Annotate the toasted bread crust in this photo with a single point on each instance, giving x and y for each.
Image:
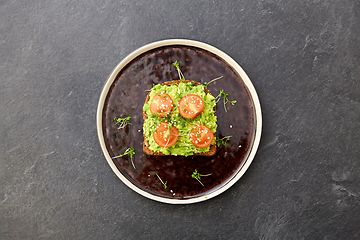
(213, 147)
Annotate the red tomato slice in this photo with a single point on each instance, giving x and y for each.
(165, 137)
(201, 136)
(161, 104)
(191, 106)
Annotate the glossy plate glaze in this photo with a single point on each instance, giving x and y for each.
(124, 95)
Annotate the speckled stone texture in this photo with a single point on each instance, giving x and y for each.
(303, 58)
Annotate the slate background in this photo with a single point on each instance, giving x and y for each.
(303, 58)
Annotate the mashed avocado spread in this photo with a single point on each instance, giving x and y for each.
(183, 146)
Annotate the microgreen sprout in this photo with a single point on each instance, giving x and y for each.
(168, 133)
(164, 183)
(223, 140)
(169, 126)
(177, 66)
(207, 83)
(123, 122)
(129, 151)
(197, 176)
(226, 100)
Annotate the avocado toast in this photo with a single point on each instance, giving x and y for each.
(185, 114)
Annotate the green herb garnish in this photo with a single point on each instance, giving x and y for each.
(123, 122)
(226, 100)
(181, 75)
(207, 83)
(129, 151)
(223, 140)
(197, 176)
(164, 183)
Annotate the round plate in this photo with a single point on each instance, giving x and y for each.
(169, 179)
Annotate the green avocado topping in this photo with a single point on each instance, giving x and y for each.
(183, 146)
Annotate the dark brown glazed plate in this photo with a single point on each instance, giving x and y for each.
(124, 95)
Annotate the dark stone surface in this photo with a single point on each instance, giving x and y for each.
(303, 58)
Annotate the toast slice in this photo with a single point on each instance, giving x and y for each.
(213, 148)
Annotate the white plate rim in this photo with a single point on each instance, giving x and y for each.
(229, 61)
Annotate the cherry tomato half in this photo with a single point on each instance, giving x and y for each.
(201, 136)
(164, 136)
(161, 104)
(191, 106)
